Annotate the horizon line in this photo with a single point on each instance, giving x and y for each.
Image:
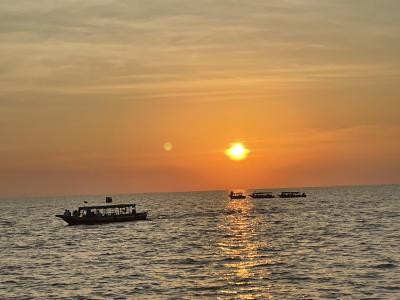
(192, 191)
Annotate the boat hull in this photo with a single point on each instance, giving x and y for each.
(301, 196)
(237, 197)
(261, 197)
(72, 220)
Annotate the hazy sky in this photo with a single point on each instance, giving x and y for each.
(91, 90)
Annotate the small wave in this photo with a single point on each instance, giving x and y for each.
(385, 266)
(7, 223)
(106, 254)
(162, 217)
(341, 235)
(297, 278)
(372, 275)
(270, 249)
(189, 261)
(230, 212)
(10, 281)
(391, 288)
(209, 288)
(59, 284)
(231, 259)
(22, 247)
(269, 265)
(186, 215)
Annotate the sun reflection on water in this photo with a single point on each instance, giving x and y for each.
(240, 248)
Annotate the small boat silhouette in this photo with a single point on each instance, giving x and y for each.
(99, 214)
(236, 195)
(292, 195)
(262, 195)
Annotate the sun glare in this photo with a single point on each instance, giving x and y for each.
(237, 152)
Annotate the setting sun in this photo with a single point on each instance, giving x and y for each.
(237, 152)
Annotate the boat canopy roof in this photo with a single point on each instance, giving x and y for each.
(261, 193)
(287, 193)
(107, 206)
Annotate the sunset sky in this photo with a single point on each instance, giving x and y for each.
(90, 92)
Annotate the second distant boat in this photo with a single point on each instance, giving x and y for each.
(262, 195)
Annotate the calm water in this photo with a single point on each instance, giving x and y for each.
(339, 243)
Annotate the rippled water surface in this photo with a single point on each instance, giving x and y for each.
(338, 243)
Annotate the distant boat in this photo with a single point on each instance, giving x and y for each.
(99, 214)
(262, 195)
(237, 195)
(292, 195)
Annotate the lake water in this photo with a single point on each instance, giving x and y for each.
(338, 243)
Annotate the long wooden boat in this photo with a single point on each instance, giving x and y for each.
(262, 195)
(292, 195)
(99, 214)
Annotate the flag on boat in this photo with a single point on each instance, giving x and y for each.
(85, 202)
